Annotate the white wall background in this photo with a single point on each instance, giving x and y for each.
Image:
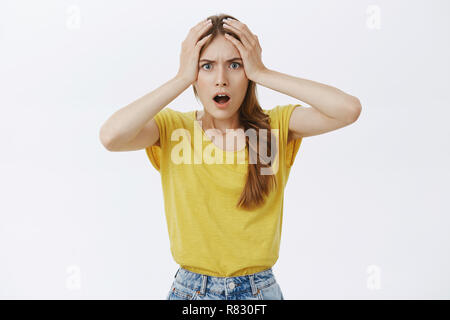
(366, 207)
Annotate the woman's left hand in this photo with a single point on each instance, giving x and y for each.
(248, 47)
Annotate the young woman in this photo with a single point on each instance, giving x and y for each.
(224, 200)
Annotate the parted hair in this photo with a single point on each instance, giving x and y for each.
(251, 116)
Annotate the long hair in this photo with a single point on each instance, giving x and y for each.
(251, 116)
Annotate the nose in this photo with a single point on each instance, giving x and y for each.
(221, 77)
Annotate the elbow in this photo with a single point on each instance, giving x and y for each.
(355, 109)
(105, 139)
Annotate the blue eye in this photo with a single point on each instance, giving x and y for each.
(231, 63)
(237, 63)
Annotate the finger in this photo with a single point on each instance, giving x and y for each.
(202, 41)
(236, 42)
(202, 32)
(203, 23)
(240, 29)
(239, 25)
(257, 41)
(241, 35)
(250, 36)
(197, 31)
(204, 27)
(199, 26)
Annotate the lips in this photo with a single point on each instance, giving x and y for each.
(221, 97)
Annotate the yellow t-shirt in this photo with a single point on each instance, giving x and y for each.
(208, 233)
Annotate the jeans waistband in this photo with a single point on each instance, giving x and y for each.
(199, 282)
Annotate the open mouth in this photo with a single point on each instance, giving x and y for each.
(221, 99)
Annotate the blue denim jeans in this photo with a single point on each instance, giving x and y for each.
(195, 286)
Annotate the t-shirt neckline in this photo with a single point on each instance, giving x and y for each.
(209, 139)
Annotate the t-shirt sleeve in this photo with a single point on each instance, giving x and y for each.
(282, 115)
(163, 121)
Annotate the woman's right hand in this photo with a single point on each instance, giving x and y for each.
(190, 50)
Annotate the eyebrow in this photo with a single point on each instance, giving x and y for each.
(229, 60)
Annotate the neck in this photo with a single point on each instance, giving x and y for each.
(209, 122)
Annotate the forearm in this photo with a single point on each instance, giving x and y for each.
(125, 124)
(328, 100)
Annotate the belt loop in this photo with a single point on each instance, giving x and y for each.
(252, 284)
(177, 273)
(203, 288)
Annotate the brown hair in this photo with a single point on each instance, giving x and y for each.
(253, 117)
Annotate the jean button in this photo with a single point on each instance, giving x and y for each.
(231, 285)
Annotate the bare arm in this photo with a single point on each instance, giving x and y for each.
(326, 99)
(133, 127)
(331, 108)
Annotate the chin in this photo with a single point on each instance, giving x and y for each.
(222, 113)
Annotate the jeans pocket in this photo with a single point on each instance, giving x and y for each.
(271, 292)
(180, 292)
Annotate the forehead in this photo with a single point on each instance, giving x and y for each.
(220, 49)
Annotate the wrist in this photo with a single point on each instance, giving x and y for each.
(183, 81)
(260, 74)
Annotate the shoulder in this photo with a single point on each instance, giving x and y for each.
(281, 114)
(168, 112)
(170, 116)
